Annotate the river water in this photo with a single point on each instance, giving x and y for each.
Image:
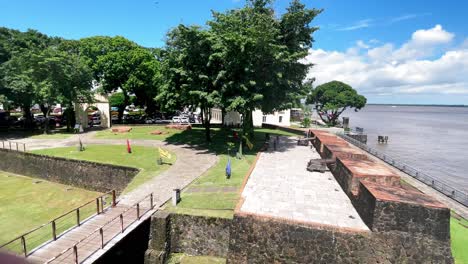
(431, 139)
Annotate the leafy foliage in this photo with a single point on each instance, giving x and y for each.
(332, 98)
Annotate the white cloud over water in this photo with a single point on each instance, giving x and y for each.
(428, 63)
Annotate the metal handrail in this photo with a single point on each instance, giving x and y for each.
(101, 229)
(9, 143)
(99, 209)
(444, 188)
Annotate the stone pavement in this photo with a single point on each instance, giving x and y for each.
(280, 186)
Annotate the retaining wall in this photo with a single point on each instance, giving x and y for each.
(193, 235)
(83, 174)
(266, 240)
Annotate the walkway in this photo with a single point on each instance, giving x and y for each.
(190, 164)
(280, 186)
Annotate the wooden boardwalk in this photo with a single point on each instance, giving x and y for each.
(79, 243)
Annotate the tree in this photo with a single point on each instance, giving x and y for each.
(59, 77)
(192, 72)
(334, 97)
(262, 57)
(121, 65)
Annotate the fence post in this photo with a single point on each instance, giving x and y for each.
(102, 204)
(102, 237)
(9, 142)
(17, 149)
(138, 211)
(151, 201)
(121, 223)
(75, 252)
(54, 230)
(78, 216)
(3, 144)
(113, 198)
(23, 242)
(24, 147)
(97, 205)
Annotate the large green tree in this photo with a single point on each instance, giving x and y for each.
(192, 69)
(121, 65)
(262, 57)
(333, 98)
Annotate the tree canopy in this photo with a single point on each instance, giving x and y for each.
(333, 98)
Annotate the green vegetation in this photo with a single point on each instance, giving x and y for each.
(333, 98)
(139, 132)
(459, 239)
(143, 158)
(180, 258)
(198, 199)
(22, 203)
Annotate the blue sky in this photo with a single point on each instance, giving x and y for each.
(381, 38)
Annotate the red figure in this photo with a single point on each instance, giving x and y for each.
(129, 148)
(235, 135)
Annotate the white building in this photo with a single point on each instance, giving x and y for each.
(281, 118)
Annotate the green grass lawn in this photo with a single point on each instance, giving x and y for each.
(138, 132)
(143, 158)
(459, 238)
(218, 203)
(180, 258)
(25, 205)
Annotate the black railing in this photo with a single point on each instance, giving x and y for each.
(444, 188)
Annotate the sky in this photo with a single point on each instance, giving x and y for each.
(391, 51)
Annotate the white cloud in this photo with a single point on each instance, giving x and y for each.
(388, 70)
(365, 23)
(435, 35)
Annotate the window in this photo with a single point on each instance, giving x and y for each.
(281, 119)
(264, 119)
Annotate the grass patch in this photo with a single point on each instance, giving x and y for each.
(25, 205)
(138, 132)
(217, 203)
(143, 158)
(459, 239)
(180, 258)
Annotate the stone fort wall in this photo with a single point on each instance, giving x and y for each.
(406, 226)
(82, 174)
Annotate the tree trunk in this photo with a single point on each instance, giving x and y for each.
(71, 117)
(122, 107)
(223, 114)
(207, 123)
(45, 110)
(247, 124)
(28, 123)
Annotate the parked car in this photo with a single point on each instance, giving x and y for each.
(184, 120)
(176, 119)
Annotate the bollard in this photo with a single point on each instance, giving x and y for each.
(138, 211)
(97, 205)
(175, 197)
(151, 201)
(17, 149)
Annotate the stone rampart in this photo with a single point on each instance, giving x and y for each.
(387, 208)
(193, 235)
(82, 174)
(255, 239)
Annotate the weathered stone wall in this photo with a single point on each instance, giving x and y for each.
(393, 209)
(260, 240)
(83, 174)
(194, 235)
(197, 235)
